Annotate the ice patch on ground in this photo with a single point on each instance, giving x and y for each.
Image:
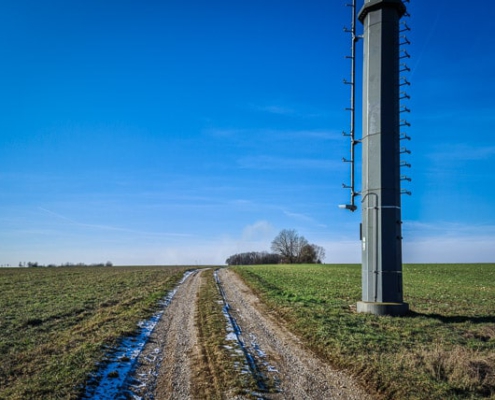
(110, 381)
(253, 358)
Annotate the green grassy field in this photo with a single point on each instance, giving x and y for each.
(445, 348)
(56, 323)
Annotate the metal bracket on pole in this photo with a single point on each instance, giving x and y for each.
(403, 96)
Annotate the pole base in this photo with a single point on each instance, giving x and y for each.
(392, 309)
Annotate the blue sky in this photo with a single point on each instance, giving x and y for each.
(181, 132)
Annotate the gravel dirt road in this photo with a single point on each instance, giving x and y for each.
(289, 370)
(164, 366)
(301, 375)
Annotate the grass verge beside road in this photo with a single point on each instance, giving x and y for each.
(56, 323)
(444, 349)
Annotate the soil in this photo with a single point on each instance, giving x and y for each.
(164, 366)
(302, 375)
(291, 371)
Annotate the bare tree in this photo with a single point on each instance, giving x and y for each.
(307, 255)
(311, 254)
(289, 245)
(319, 253)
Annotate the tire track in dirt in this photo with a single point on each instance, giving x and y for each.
(302, 375)
(168, 365)
(164, 366)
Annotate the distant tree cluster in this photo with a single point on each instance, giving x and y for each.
(254, 258)
(30, 264)
(288, 248)
(295, 249)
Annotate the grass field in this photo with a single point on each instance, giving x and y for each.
(445, 348)
(56, 323)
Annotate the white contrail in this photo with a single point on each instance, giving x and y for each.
(58, 215)
(433, 29)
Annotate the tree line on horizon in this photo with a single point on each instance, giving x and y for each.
(288, 247)
(31, 264)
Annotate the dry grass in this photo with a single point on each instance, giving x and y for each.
(466, 369)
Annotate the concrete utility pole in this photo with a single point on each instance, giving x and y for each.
(381, 192)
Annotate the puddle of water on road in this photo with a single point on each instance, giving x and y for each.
(110, 380)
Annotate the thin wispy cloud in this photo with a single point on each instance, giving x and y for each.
(275, 134)
(450, 250)
(445, 229)
(299, 216)
(109, 227)
(277, 163)
(303, 218)
(277, 110)
(301, 111)
(259, 231)
(470, 115)
(462, 152)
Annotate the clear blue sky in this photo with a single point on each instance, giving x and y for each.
(163, 132)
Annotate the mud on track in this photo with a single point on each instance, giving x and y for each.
(165, 369)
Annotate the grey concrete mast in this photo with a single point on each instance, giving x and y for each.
(381, 193)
